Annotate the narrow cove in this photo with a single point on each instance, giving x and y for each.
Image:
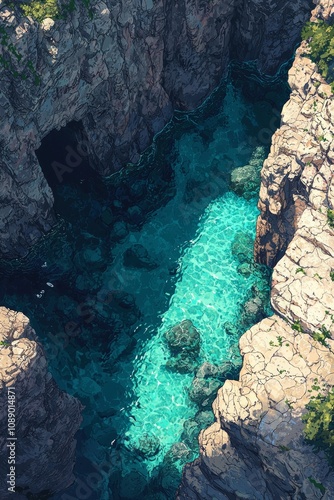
(136, 254)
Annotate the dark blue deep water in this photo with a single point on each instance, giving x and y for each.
(134, 255)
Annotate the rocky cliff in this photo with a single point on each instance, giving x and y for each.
(117, 74)
(37, 420)
(255, 449)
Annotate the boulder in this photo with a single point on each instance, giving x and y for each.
(182, 363)
(148, 445)
(245, 181)
(183, 338)
(179, 451)
(137, 257)
(203, 391)
(242, 247)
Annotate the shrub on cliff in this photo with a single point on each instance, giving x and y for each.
(320, 36)
(41, 9)
(319, 423)
(55, 9)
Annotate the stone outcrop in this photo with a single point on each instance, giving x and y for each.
(46, 418)
(302, 286)
(298, 169)
(117, 77)
(255, 449)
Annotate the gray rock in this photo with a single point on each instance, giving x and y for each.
(242, 247)
(148, 445)
(203, 391)
(245, 181)
(183, 338)
(181, 363)
(137, 256)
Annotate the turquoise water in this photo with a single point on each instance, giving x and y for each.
(176, 204)
(209, 292)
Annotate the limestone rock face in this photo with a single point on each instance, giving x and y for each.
(302, 287)
(46, 418)
(298, 170)
(118, 76)
(255, 448)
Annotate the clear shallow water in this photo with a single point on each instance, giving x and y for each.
(116, 360)
(209, 292)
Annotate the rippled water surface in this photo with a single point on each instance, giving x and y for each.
(102, 314)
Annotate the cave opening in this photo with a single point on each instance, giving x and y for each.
(68, 168)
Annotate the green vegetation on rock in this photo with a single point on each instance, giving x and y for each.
(320, 36)
(319, 423)
(55, 9)
(41, 9)
(330, 217)
(322, 335)
(319, 486)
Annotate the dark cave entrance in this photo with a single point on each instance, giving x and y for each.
(68, 169)
(63, 155)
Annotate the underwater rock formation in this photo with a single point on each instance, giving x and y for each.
(46, 419)
(256, 447)
(245, 181)
(184, 342)
(117, 77)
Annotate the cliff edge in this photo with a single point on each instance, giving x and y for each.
(37, 420)
(115, 76)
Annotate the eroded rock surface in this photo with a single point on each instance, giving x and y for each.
(302, 288)
(298, 170)
(118, 76)
(255, 448)
(46, 418)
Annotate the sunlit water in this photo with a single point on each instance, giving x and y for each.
(117, 367)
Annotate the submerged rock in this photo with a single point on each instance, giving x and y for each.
(242, 247)
(182, 363)
(207, 370)
(245, 269)
(193, 426)
(148, 445)
(179, 451)
(245, 181)
(183, 341)
(204, 390)
(231, 329)
(119, 231)
(183, 338)
(137, 256)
